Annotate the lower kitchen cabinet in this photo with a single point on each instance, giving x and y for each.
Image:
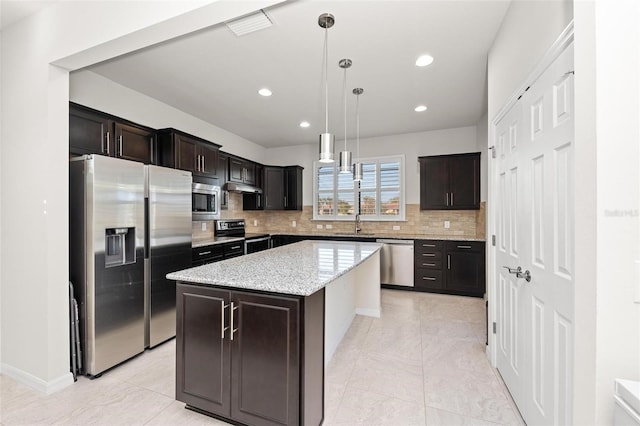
(451, 267)
(248, 357)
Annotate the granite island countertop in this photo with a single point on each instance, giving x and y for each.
(297, 269)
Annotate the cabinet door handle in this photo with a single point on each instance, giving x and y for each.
(446, 198)
(204, 253)
(452, 198)
(448, 261)
(285, 201)
(222, 327)
(151, 160)
(429, 254)
(259, 200)
(233, 330)
(464, 247)
(428, 245)
(120, 145)
(428, 264)
(428, 278)
(204, 167)
(235, 247)
(108, 143)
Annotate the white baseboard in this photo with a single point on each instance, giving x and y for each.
(368, 312)
(36, 382)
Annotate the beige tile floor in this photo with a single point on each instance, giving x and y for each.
(421, 363)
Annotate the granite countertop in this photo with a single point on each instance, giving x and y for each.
(297, 269)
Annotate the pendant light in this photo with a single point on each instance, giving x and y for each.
(345, 156)
(327, 140)
(357, 166)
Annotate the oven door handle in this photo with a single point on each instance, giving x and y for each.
(256, 240)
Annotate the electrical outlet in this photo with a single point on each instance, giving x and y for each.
(447, 224)
(329, 226)
(318, 226)
(204, 226)
(396, 227)
(255, 222)
(293, 223)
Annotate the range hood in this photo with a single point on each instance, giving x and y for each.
(242, 187)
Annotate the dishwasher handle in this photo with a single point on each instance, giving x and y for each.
(395, 242)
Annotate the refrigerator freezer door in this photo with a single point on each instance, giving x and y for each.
(169, 247)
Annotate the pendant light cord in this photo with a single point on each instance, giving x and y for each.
(344, 90)
(326, 82)
(358, 127)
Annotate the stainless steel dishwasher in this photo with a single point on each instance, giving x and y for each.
(396, 262)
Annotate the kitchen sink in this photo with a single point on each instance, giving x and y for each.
(361, 234)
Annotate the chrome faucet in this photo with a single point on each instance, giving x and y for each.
(357, 229)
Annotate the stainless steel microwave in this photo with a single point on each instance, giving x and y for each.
(205, 201)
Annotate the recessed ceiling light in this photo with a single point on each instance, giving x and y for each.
(424, 60)
(264, 92)
(420, 108)
(304, 124)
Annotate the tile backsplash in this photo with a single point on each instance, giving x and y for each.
(463, 223)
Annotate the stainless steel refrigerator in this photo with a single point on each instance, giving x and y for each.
(125, 221)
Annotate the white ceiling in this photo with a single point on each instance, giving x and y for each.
(215, 75)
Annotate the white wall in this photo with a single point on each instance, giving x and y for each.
(608, 124)
(95, 91)
(34, 155)
(412, 145)
(528, 30)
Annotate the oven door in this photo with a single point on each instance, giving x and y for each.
(255, 245)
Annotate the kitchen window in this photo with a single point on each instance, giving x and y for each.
(380, 195)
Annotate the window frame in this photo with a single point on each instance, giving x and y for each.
(357, 191)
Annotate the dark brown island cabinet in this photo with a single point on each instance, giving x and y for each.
(451, 267)
(450, 182)
(250, 358)
(95, 132)
(183, 151)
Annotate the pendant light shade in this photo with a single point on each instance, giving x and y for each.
(357, 167)
(327, 140)
(345, 156)
(327, 143)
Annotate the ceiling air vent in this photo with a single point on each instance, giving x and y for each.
(250, 23)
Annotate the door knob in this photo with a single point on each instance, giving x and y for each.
(518, 273)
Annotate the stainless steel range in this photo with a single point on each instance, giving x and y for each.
(253, 242)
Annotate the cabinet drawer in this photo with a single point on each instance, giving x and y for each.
(428, 263)
(428, 245)
(428, 279)
(207, 254)
(472, 246)
(233, 249)
(427, 256)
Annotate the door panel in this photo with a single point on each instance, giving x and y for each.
(133, 143)
(535, 342)
(265, 357)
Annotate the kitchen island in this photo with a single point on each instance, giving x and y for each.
(254, 333)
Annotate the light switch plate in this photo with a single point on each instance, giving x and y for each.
(396, 227)
(329, 226)
(293, 223)
(447, 224)
(318, 226)
(204, 226)
(255, 222)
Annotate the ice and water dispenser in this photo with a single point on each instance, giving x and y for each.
(120, 246)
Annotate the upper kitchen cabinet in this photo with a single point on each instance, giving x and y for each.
(241, 171)
(187, 152)
(94, 132)
(281, 190)
(293, 188)
(450, 182)
(223, 170)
